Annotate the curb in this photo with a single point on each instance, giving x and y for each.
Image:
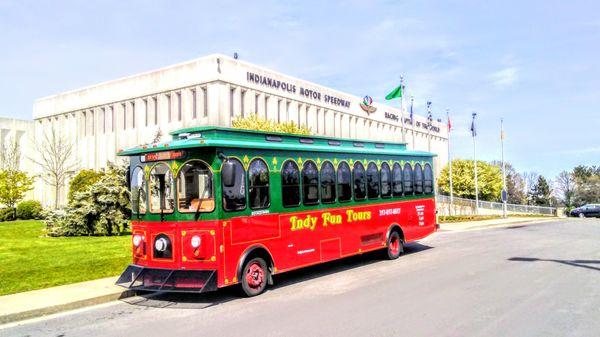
(472, 225)
(23, 315)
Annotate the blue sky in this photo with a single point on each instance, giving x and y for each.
(534, 63)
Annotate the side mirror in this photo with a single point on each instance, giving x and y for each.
(228, 173)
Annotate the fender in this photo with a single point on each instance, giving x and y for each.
(391, 228)
(247, 252)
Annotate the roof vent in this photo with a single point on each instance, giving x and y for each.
(379, 145)
(359, 144)
(306, 140)
(271, 138)
(334, 142)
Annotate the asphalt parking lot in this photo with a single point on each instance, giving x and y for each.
(540, 279)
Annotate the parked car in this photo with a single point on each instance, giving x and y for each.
(587, 211)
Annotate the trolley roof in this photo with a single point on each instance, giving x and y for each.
(211, 136)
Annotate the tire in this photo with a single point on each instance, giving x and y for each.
(395, 246)
(581, 215)
(255, 276)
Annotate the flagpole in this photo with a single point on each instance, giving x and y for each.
(429, 120)
(504, 191)
(412, 122)
(450, 165)
(402, 108)
(473, 132)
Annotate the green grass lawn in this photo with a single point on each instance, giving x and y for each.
(29, 260)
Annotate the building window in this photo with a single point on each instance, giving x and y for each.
(92, 122)
(358, 175)
(194, 104)
(372, 181)
(124, 107)
(427, 179)
(266, 106)
(169, 107)
(258, 185)
(179, 107)
(84, 117)
(310, 183)
(242, 103)
(205, 96)
(407, 179)
(344, 182)
(103, 120)
(290, 184)
(287, 111)
(112, 118)
(231, 101)
(386, 181)
(279, 111)
(133, 115)
(146, 111)
(327, 183)
(155, 103)
(234, 197)
(256, 104)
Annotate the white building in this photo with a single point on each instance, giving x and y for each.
(213, 90)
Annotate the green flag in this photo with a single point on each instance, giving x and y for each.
(396, 93)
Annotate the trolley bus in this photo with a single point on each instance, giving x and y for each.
(216, 207)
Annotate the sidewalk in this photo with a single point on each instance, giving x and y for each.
(20, 306)
(484, 224)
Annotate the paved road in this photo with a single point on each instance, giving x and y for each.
(536, 280)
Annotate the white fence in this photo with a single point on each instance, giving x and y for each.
(462, 206)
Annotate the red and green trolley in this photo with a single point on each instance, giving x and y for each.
(216, 207)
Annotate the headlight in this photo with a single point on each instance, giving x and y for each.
(137, 240)
(161, 244)
(196, 241)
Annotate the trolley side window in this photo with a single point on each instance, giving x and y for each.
(360, 188)
(194, 188)
(310, 183)
(372, 181)
(418, 179)
(428, 179)
(408, 179)
(234, 194)
(138, 191)
(344, 182)
(327, 182)
(397, 180)
(258, 185)
(290, 184)
(386, 181)
(162, 196)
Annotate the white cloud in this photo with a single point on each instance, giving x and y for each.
(505, 77)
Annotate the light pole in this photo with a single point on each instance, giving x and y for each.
(474, 133)
(504, 191)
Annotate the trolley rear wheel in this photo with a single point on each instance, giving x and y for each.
(255, 276)
(395, 246)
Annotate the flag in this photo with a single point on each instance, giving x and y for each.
(429, 116)
(473, 130)
(396, 93)
(449, 124)
(502, 134)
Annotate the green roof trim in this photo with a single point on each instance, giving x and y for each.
(210, 136)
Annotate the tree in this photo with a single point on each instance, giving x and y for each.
(102, 209)
(82, 181)
(540, 193)
(10, 155)
(489, 180)
(565, 186)
(13, 186)
(56, 159)
(253, 122)
(587, 185)
(515, 185)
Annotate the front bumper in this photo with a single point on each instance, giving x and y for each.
(169, 280)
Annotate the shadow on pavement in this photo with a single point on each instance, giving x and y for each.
(205, 300)
(574, 263)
